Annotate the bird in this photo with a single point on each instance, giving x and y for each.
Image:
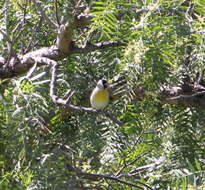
(100, 96)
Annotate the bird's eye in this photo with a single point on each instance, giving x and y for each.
(104, 81)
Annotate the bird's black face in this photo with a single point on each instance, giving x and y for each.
(102, 84)
(105, 84)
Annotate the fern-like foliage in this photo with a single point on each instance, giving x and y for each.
(104, 19)
(44, 146)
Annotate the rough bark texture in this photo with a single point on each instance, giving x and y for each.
(63, 48)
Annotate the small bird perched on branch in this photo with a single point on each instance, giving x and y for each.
(99, 98)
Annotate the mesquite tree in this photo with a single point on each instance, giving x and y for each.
(151, 135)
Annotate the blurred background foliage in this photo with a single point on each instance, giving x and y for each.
(160, 145)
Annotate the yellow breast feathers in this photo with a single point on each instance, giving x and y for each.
(99, 98)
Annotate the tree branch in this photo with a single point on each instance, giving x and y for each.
(5, 36)
(96, 177)
(195, 100)
(65, 33)
(99, 46)
(66, 102)
(176, 95)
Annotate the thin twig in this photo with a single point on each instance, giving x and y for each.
(17, 32)
(98, 46)
(56, 13)
(113, 118)
(103, 176)
(61, 146)
(34, 31)
(6, 20)
(198, 32)
(53, 82)
(118, 174)
(91, 110)
(43, 14)
(6, 37)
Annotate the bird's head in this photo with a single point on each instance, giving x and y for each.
(102, 84)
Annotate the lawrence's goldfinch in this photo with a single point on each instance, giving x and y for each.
(100, 96)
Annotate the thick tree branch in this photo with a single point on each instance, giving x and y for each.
(65, 32)
(196, 99)
(177, 95)
(64, 47)
(22, 63)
